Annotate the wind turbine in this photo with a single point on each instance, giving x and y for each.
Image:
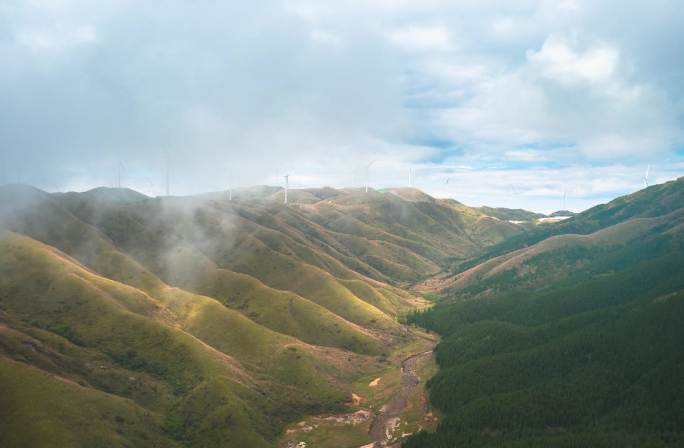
(648, 169)
(119, 170)
(565, 196)
(287, 185)
(411, 177)
(367, 173)
(166, 163)
(231, 179)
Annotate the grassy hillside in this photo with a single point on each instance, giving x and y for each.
(573, 341)
(33, 398)
(393, 240)
(47, 292)
(178, 262)
(656, 200)
(178, 339)
(509, 214)
(206, 322)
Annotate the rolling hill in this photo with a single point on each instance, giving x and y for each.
(571, 340)
(199, 321)
(656, 200)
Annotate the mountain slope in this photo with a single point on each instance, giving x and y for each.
(511, 214)
(88, 418)
(573, 341)
(182, 340)
(206, 322)
(656, 200)
(41, 217)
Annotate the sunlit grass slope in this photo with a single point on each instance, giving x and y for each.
(45, 410)
(185, 340)
(189, 268)
(49, 292)
(219, 320)
(397, 236)
(283, 311)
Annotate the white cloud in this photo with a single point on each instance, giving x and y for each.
(325, 38)
(420, 38)
(56, 39)
(559, 94)
(609, 146)
(527, 155)
(558, 60)
(237, 91)
(504, 26)
(455, 73)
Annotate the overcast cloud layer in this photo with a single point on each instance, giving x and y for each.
(508, 103)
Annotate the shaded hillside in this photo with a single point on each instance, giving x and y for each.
(573, 341)
(562, 213)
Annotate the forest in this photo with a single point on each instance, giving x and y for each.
(590, 357)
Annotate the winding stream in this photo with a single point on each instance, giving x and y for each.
(383, 424)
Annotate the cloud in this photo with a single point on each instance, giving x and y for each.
(560, 93)
(527, 155)
(421, 38)
(238, 93)
(325, 38)
(56, 39)
(557, 60)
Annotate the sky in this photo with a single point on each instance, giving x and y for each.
(518, 103)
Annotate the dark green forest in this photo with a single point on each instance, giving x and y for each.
(593, 357)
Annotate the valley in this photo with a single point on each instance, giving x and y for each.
(356, 224)
(385, 424)
(568, 334)
(386, 409)
(218, 321)
(342, 319)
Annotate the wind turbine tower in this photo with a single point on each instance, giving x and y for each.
(119, 169)
(166, 163)
(411, 177)
(367, 173)
(648, 169)
(287, 186)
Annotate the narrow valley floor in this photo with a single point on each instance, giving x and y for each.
(385, 407)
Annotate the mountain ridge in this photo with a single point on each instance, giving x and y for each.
(572, 340)
(213, 302)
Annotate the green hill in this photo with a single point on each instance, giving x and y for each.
(656, 200)
(509, 214)
(573, 341)
(200, 321)
(162, 349)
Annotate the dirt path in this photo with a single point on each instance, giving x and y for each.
(383, 425)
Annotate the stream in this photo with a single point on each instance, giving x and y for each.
(383, 425)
